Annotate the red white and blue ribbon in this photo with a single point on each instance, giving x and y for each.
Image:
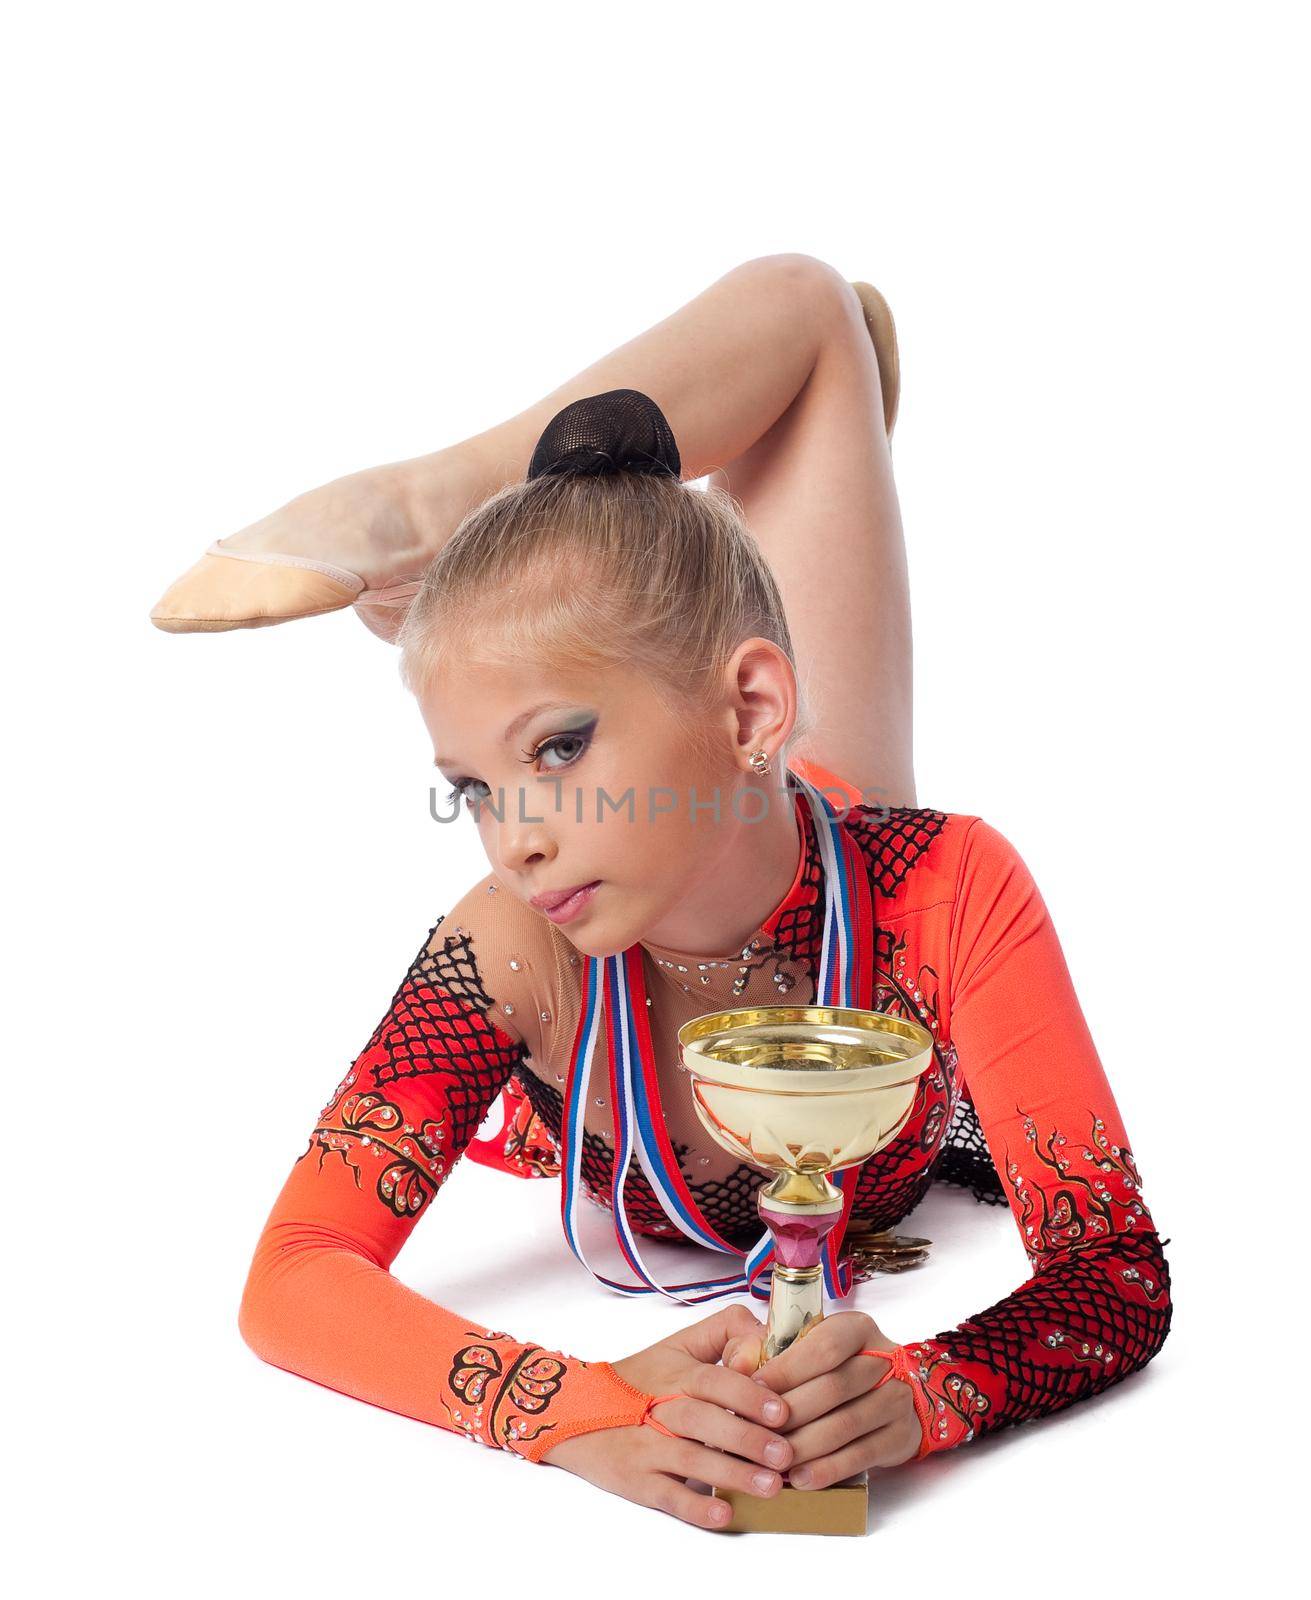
(614, 1016)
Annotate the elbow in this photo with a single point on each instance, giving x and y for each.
(251, 1323)
(257, 1313)
(1145, 1307)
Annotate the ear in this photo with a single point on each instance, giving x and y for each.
(761, 695)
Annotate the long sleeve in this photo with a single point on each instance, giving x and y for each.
(1097, 1305)
(320, 1299)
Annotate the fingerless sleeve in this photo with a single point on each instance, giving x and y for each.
(1097, 1304)
(320, 1299)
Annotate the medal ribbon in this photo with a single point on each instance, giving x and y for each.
(614, 1011)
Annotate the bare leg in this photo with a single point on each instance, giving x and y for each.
(770, 383)
(818, 494)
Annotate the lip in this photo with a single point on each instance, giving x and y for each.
(560, 905)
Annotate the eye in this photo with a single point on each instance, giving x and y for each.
(460, 790)
(571, 745)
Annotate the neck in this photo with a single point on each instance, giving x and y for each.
(749, 878)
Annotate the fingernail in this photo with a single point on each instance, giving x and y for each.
(799, 1476)
(776, 1452)
(774, 1410)
(720, 1512)
(764, 1481)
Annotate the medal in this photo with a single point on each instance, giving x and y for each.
(614, 1017)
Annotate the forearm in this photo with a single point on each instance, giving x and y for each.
(1085, 1320)
(317, 1307)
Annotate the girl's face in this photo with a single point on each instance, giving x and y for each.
(590, 781)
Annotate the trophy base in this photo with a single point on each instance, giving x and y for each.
(841, 1508)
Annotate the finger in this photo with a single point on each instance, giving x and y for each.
(840, 1426)
(887, 1447)
(820, 1349)
(673, 1496)
(744, 1354)
(712, 1425)
(689, 1459)
(734, 1391)
(816, 1396)
(706, 1340)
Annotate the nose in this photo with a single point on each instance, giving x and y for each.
(523, 839)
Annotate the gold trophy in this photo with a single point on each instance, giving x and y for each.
(802, 1091)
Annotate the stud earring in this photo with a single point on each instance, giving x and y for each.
(759, 762)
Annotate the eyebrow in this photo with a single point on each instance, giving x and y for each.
(514, 727)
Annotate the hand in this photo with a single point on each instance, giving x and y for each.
(838, 1422)
(723, 1419)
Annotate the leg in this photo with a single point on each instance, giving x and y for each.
(771, 385)
(769, 380)
(818, 493)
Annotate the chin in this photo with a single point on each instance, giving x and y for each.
(598, 940)
(596, 945)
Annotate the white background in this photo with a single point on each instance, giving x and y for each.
(254, 247)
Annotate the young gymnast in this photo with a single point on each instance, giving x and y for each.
(597, 634)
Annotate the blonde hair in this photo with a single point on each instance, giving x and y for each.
(583, 573)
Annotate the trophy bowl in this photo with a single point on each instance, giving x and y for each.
(801, 1091)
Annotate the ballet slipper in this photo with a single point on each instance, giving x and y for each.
(250, 589)
(883, 333)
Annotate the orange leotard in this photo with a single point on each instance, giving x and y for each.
(1016, 1105)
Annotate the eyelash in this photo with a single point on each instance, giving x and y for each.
(581, 734)
(460, 787)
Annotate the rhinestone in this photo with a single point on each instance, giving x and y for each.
(599, 1101)
(546, 1016)
(573, 961)
(508, 1009)
(491, 888)
(514, 963)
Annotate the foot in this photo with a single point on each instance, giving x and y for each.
(374, 523)
(383, 524)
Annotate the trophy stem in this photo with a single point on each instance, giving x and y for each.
(796, 1302)
(799, 1209)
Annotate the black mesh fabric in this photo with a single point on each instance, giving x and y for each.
(965, 1159)
(1088, 1317)
(622, 430)
(424, 1032)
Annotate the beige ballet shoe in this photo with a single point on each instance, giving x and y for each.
(883, 332)
(245, 589)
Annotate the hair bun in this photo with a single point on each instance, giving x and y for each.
(622, 430)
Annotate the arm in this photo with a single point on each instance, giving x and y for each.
(1097, 1306)
(319, 1299)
